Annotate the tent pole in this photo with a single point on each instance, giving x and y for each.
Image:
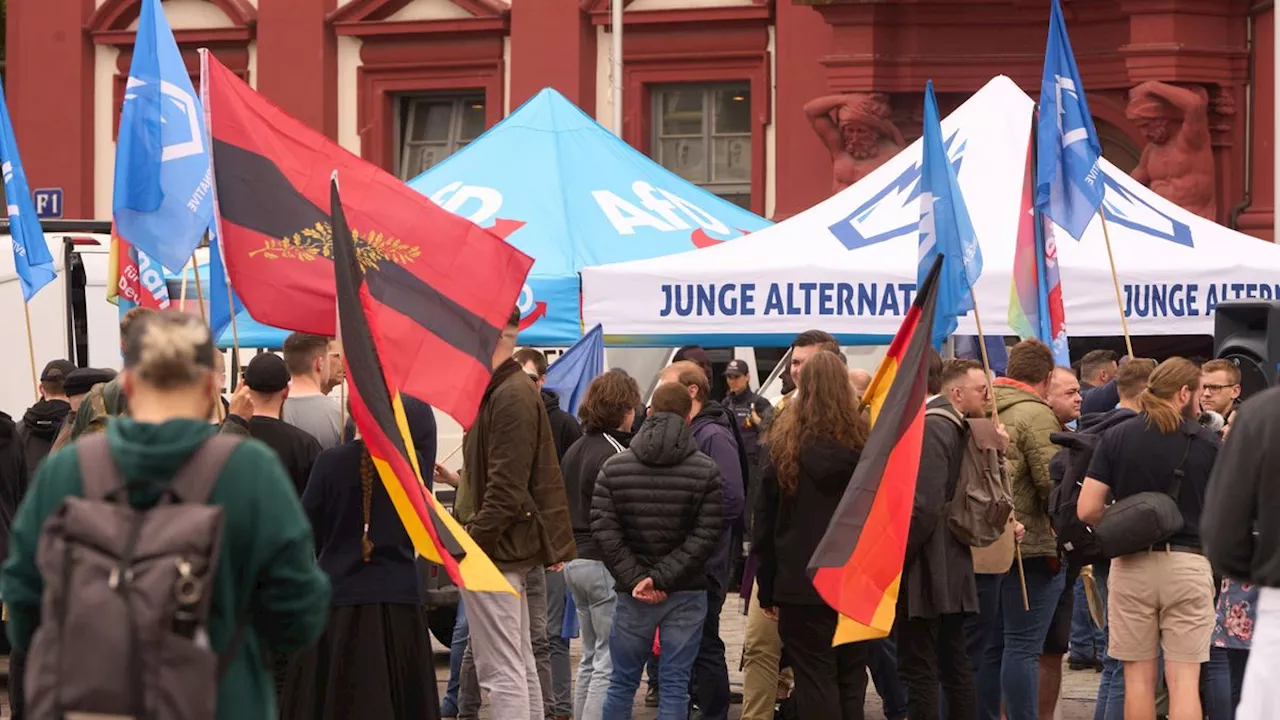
(615, 60)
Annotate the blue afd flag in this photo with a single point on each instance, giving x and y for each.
(945, 228)
(163, 202)
(219, 287)
(31, 257)
(570, 375)
(1069, 185)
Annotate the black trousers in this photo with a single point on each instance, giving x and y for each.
(709, 680)
(831, 683)
(933, 651)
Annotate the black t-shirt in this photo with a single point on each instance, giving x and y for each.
(297, 448)
(1135, 457)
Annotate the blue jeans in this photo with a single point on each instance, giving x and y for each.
(882, 661)
(449, 706)
(985, 634)
(594, 600)
(678, 620)
(1110, 704)
(1023, 635)
(1087, 641)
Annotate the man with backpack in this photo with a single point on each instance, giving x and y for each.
(159, 559)
(1075, 538)
(938, 587)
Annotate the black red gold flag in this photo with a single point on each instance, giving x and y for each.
(857, 567)
(443, 286)
(378, 411)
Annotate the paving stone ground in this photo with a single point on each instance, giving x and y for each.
(1079, 689)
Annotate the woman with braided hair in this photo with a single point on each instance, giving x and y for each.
(374, 659)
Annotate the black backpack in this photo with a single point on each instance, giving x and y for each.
(1068, 469)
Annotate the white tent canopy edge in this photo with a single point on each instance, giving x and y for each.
(848, 264)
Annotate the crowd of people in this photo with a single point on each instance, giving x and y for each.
(1130, 542)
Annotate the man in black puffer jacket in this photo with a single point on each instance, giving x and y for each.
(656, 517)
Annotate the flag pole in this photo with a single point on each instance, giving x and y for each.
(182, 297)
(204, 315)
(31, 349)
(1115, 280)
(995, 418)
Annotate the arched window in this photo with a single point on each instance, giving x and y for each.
(1117, 146)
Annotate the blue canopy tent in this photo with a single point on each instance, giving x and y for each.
(252, 333)
(571, 194)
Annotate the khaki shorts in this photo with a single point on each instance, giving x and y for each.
(1160, 599)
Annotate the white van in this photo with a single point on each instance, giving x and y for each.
(70, 317)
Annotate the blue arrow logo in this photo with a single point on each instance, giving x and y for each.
(859, 229)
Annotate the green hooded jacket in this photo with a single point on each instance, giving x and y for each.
(267, 571)
(1029, 420)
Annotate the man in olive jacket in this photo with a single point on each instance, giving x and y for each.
(513, 502)
(1029, 420)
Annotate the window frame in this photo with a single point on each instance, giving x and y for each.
(407, 105)
(658, 94)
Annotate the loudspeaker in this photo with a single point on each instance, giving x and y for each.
(1248, 333)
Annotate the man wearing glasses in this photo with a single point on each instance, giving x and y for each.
(1220, 388)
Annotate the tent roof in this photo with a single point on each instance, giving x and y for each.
(570, 194)
(858, 249)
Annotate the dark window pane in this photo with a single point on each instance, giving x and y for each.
(682, 112)
(472, 119)
(685, 157)
(732, 159)
(733, 111)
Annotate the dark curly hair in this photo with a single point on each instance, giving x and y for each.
(607, 401)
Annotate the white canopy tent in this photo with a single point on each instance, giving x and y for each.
(848, 264)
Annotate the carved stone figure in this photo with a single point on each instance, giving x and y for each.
(857, 132)
(1177, 162)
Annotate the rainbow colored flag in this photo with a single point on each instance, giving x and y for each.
(1035, 295)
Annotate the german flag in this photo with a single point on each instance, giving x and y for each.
(378, 412)
(443, 286)
(857, 567)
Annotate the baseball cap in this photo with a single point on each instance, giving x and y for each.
(82, 380)
(57, 370)
(737, 367)
(267, 373)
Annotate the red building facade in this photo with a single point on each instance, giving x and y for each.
(713, 89)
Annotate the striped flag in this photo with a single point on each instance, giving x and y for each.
(378, 411)
(857, 567)
(1035, 293)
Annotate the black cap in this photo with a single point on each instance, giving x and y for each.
(82, 380)
(737, 367)
(57, 370)
(266, 373)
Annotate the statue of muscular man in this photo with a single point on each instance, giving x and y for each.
(859, 137)
(1177, 162)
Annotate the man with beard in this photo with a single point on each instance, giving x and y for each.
(40, 424)
(860, 137)
(713, 431)
(1161, 598)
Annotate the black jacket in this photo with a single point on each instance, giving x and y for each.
(656, 511)
(938, 568)
(1091, 424)
(565, 430)
(39, 428)
(580, 468)
(741, 405)
(1238, 527)
(788, 528)
(13, 479)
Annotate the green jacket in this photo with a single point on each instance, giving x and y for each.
(105, 400)
(1029, 420)
(267, 571)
